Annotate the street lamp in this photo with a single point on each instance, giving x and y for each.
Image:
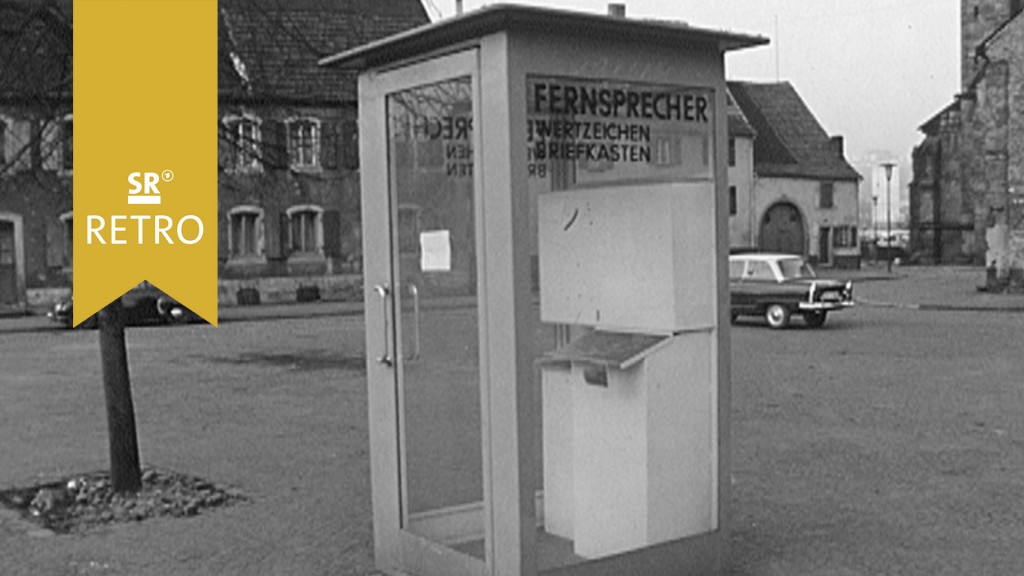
(874, 224)
(888, 212)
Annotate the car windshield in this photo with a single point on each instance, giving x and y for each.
(795, 268)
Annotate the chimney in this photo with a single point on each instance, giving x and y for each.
(835, 145)
(617, 10)
(458, 7)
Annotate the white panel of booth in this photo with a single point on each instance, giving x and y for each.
(637, 258)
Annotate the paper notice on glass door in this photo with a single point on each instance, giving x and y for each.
(435, 251)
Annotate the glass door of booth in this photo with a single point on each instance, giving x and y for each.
(423, 317)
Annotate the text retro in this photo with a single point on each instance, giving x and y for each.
(148, 228)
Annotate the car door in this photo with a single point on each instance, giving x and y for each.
(740, 296)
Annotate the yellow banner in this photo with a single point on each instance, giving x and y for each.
(145, 140)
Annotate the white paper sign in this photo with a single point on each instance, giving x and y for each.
(435, 251)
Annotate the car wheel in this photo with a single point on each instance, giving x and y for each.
(777, 316)
(815, 319)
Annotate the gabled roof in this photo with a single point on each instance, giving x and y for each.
(738, 125)
(268, 49)
(35, 50)
(790, 142)
(932, 125)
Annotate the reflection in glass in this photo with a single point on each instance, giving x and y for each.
(431, 181)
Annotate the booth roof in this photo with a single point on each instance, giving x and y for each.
(490, 19)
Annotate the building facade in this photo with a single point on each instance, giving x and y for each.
(288, 182)
(967, 197)
(289, 218)
(742, 212)
(36, 154)
(804, 198)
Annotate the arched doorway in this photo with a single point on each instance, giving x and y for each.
(782, 230)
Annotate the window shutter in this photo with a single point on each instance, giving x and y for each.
(54, 243)
(283, 236)
(332, 233)
(350, 144)
(329, 145)
(275, 144)
(227, 153)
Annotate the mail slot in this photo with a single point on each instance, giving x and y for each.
(628, 463)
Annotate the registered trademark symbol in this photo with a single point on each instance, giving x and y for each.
(167, 175)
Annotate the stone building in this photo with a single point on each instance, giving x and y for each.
(967, 196)
(288, 216)
(804, 194)
(289, 183)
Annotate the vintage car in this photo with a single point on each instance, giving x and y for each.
(143, 304)
(779, 286)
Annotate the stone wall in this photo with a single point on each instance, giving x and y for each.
(998, 130)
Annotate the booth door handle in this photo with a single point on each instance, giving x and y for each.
(415, 291)
(383, 291)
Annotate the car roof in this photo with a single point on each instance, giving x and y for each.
(764, 256)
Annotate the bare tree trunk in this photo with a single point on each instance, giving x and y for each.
(125, 474)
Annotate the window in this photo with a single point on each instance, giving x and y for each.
(735, 269)
(303, 143)
(305, 230)
(243, 138)
(844, 237)
(68, 227)
(795, 268)
(245, 239)
(732, 200)
(732, 151)
(16, 154)
(825, 199)
(57, 144)
(759, 271)
(6, 243)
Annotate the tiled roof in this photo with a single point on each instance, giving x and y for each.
(269, 48)
(738, 123)
(790, 142)
(35, 50)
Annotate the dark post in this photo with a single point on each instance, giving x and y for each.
(125, 474)
(888, 213)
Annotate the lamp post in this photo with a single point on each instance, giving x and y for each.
(888, 213)
(874, 224)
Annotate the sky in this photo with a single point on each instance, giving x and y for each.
(871, 71)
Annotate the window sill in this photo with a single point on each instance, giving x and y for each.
(306, 257)
(247, 170)
(306, 169)
(245, 260)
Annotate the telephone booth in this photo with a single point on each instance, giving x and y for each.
(544, 225)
